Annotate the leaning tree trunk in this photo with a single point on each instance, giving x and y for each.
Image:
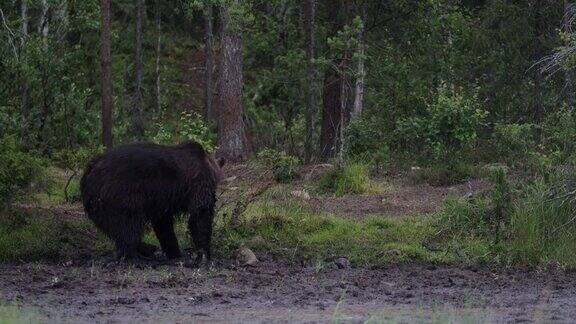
(208, 63)
(137, 119)
(158, 48)
(231, 136)
(106, 66)
(309, 13)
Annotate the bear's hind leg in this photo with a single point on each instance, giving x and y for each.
(164, 229)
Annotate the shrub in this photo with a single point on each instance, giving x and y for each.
(446, 133)
(351, 178)
(189, 127)
(283, 166)
(18, 169)
(514, 141)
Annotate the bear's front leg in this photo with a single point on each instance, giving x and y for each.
(200, 228)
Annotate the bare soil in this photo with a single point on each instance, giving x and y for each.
(397, 198)
(279, 291)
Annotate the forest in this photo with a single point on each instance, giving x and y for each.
(383, 157)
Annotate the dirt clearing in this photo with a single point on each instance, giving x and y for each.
(397, 199)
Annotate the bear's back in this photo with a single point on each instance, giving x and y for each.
(149, 176)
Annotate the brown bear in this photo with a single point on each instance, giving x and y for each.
(131, 186)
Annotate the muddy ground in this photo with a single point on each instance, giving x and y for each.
(279, 291)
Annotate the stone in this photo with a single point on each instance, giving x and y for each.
(245, 257)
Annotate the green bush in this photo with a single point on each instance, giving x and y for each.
(190, 126)
(514, 141)
(363, 140)
(18, 169)
(283, 166)
(446, 133)
(350, 178)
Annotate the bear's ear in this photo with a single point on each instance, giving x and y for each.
(221, 162)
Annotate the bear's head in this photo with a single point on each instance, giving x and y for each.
(216, 164)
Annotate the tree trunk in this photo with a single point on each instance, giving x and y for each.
(137, 119)
(537, 54)
(43, 29)
(231, 136)
(335, 106)
(309, 13)
(43, 26)
(106, 66)
(361, 73)
(568, 13)
(331, 111)
(208, 63)
(25, 85)
(158, 48)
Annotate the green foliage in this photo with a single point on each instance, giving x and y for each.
(284, 167)
(514, 142)
(18, 169)
(76, 158)
(559, 136)
(189, 127)
(364, 143)
(350, 178)
(448, 131)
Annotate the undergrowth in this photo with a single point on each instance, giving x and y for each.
(350, 178)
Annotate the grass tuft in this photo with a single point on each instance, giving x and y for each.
(351, 178)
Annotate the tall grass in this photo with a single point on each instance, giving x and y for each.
(536, 228)
(350, 178)
(543, 227)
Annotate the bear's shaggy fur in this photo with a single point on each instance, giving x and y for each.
(131, 186)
